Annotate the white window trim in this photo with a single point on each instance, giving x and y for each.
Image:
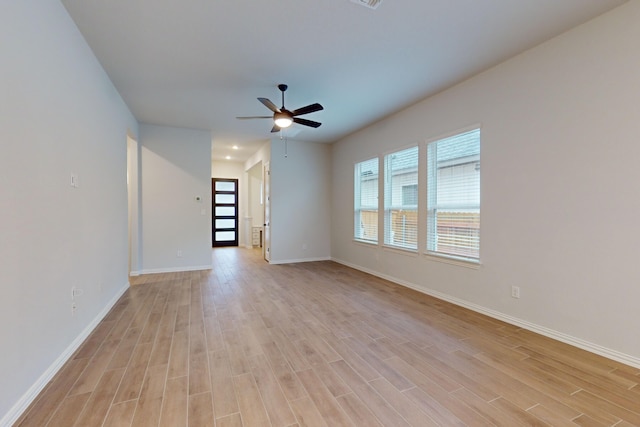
(366, 243)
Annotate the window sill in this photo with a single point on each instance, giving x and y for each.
(367, 243)
(461, 262)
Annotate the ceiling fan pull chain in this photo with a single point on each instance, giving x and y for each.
(283, 136)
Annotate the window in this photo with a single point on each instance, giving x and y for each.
(401, 199)
(453, 196)
(366, 201)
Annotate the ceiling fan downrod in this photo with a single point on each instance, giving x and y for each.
(282, 88)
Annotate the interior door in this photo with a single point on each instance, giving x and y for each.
(225, 211)
(266, 247)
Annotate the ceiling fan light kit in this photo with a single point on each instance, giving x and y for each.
(283, 118)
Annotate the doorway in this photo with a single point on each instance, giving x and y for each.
(133, 204)
(267, 213)
(225, 211)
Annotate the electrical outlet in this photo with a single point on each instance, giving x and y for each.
(75, 180)
(515, 292)
(179, 253)
(75, 292)
(74, 307)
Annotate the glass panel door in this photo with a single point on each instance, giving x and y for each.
(225, 211)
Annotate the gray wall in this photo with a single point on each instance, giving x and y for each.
(59, 115)
(175, 169)
(300, 201)
(559, 190)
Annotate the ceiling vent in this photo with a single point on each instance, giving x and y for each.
(371, 4)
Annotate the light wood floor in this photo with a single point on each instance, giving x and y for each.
(319, 344)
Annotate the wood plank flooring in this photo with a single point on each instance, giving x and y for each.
(320, 344)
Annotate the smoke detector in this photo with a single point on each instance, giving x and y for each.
(371, 4)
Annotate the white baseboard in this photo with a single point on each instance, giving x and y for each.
(292, 261)
(550, 333)
(23, 403)
(171, 270)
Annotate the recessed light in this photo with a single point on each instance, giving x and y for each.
(228, 157)
(235, 147)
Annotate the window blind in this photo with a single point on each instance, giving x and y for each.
(366, 201)
(453, 196)
(401, 199)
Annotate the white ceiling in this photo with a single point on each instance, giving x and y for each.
(201, 63)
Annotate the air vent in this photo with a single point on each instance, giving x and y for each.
(371, 4)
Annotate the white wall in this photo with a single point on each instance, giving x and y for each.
(175, 169)
(59, 114)
(235, 170)
(300, 201)
(222, 169)
(560, 176)
(262, 155)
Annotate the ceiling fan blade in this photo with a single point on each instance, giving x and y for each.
(254, 117)
(308, 109)
(275, 128)
(306, 122)
(270, 105)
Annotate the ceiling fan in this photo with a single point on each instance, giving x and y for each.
(282, 118)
